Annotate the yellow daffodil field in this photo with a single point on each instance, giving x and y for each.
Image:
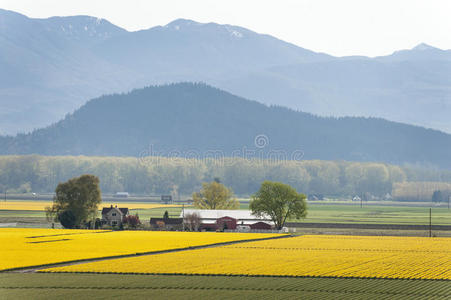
(41, 205)
(33, 247)
(315, 256)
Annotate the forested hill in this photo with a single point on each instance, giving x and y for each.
(196, 120)
(49, 67)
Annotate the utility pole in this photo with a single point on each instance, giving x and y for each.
(430, 222)
(183, 216)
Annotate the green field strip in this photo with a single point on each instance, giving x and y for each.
(231, 275)
(13, 284)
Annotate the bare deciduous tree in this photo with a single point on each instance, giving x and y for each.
(192, 221)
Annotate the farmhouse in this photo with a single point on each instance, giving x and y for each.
(113, 216)
(241, 220)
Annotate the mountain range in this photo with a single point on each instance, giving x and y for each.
(196, 120)
(50, 67)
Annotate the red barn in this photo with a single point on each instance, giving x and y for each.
(261, 226)
(229, 219)
(226, 223)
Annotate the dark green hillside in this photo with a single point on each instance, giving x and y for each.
(195, 119)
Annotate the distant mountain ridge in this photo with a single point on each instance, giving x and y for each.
(420, 52)
(50, 67)
(196, 120)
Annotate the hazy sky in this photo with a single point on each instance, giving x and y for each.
(344, 27)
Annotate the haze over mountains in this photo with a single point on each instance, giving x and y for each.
(49, 67)
(197, 121)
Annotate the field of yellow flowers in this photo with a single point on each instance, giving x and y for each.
(316, 256)
(41, 205)
(32, 247)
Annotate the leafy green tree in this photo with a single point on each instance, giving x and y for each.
(76, 201)
(67, 219)
(215, 195)
(279, 201)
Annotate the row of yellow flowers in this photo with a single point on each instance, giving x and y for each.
(332, 256)
(39, 205)
(31, 247)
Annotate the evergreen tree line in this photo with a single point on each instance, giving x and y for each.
(160, 175)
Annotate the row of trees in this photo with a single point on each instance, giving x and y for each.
(159, 175)
(422, 191)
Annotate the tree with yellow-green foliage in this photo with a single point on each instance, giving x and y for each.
(215, 195)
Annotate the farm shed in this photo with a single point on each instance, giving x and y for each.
(166, 223)
(261, 226)
(121, 195)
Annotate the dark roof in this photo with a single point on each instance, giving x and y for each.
(124, 210)
(226, 217)
(105, 210)
(171, 221)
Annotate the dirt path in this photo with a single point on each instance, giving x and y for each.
(34, 269)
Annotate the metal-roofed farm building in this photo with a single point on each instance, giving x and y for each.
(240, 220)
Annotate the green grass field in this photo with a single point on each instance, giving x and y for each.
(372, 214)
(330, 213)
(107, 286)
(317, 213)
(146, 214)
